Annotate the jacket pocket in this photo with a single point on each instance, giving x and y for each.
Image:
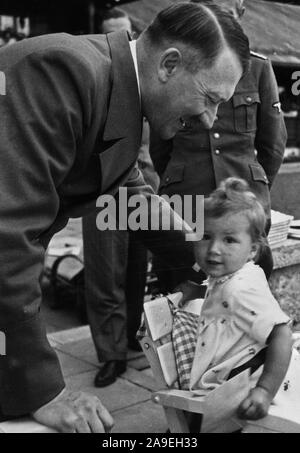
(245, 111)
(258, 173)
(173, 173)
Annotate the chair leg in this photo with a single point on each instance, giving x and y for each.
(194, 422)
(176, 420)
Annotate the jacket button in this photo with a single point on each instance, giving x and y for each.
(167, 178)
(217, 151)
(248, 98)
(216, 135)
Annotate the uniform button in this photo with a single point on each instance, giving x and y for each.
(217, 151)
(167, 179)
(216, 135)
(248, 98)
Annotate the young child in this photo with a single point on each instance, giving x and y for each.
(241, 324)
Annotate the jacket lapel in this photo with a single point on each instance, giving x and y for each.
(122, 130)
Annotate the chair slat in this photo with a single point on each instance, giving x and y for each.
(167, 362)
(150, 352)
(159, 318)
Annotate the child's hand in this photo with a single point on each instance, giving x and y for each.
(190, 290)
(256, 405)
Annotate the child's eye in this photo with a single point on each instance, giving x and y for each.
(230, 239)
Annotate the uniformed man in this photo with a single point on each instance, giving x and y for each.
(247, 140)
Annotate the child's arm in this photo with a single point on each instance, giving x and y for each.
(278, 355)
(190, 290)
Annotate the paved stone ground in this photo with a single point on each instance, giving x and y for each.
(128, 399)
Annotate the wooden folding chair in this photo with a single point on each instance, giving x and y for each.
(179, 405)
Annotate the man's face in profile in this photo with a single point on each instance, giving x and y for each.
(116, 24)
(184, 95)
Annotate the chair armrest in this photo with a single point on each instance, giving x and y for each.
(179, 399)
(272, 423)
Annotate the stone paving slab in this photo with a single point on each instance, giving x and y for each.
(142, 418)
(119, 395)
(83, 350)
(71, 335)
(78, 343)
(140, 378)
(128, 399)
(148, 372)
(145, 417)
(72, 366)
(139, 363)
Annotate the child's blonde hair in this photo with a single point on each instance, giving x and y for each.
(234, 196)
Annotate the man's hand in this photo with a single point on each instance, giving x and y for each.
(190, 290)
(75, 412)
(256, 405)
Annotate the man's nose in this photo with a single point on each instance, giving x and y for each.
(208, 117)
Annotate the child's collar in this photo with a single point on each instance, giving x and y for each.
(218, 280)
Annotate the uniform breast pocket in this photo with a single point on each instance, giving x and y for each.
(258, 173)
(245, 111)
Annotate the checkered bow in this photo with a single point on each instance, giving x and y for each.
(184, 336)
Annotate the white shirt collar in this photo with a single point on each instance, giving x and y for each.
(132, 45)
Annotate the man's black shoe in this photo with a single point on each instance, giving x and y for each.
(109, 372)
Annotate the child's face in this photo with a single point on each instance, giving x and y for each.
(226, 245)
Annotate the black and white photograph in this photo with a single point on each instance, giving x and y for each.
(149, 219)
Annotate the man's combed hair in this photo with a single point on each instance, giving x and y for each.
(206, 29)
(233, 196)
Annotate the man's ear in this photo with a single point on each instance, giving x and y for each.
(170, 61)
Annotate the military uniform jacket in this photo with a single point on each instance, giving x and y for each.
(247, 140)
(70, 128)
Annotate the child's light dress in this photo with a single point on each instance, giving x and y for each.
(237, 317)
